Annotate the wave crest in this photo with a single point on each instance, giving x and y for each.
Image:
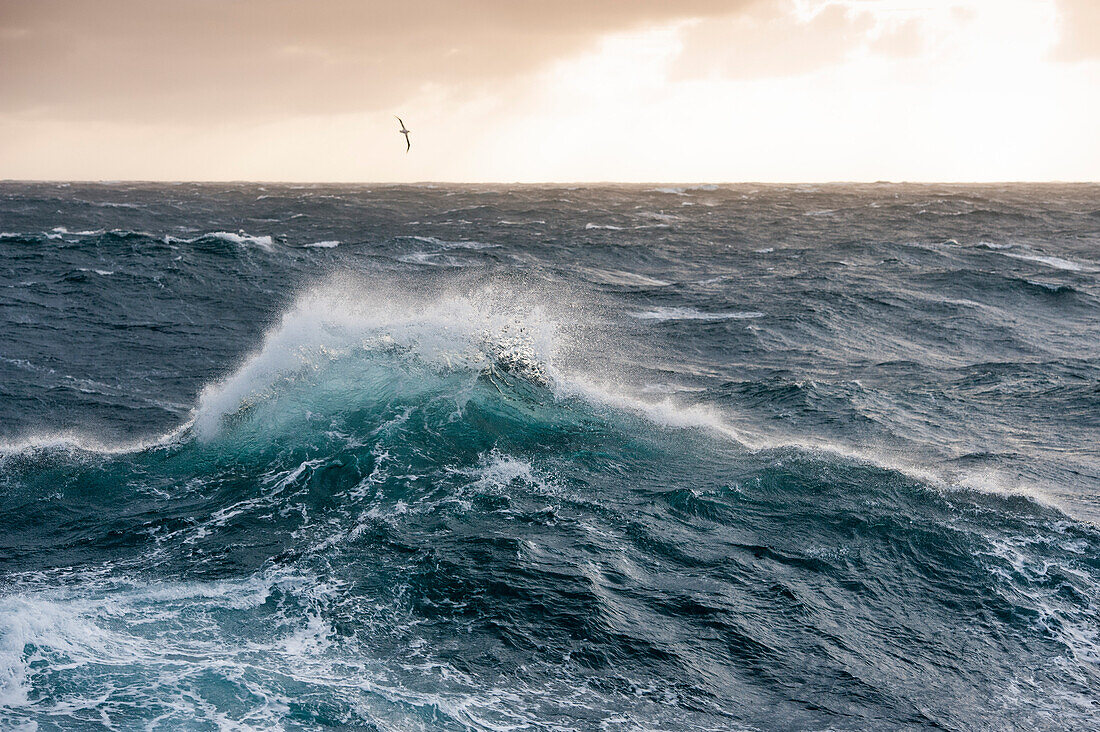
(475, 335)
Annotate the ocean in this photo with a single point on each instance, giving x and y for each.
(735, 457)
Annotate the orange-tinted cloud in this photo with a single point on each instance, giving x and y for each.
(572, 90)
(1080, 30)
(769, 40)
(247, 59)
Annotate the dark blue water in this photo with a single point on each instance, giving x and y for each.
(737, 457)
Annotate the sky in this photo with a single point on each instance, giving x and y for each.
(550, 91)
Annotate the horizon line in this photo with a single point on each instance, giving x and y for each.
(111, 181)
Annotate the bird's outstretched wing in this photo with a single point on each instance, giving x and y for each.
(400, 120)
(408, 143)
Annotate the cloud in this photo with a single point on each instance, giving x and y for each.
(518, 90)
(782, 38)
(252, 59)
(1080, 20)
(769, 40)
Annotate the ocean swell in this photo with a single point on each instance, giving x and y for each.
(613, 479)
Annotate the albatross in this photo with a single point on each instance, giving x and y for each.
(403, 131)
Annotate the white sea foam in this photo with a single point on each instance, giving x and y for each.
(328, 244)
(661, 388)
(1055, 262)
(241, 239)
(611, 227)
(76, 442)
(101, 625)
(684, 313)
(497, 470)
(112, 204)
(665, 412)
(623, 277)
(432, 259)
(447, 244)
(264, 242)
(1026, 254)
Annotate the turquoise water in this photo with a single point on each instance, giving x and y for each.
(722, 457)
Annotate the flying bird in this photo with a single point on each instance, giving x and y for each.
(403, 131)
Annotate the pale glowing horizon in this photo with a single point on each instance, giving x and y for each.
(767, 91)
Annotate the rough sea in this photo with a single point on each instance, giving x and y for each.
(610, 457)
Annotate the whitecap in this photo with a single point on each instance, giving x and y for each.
(241, 238)
(463, 333)
(1067, 265)
(111, 204)
(76, 442)
(612, 227)
(432, 259)
(497, 470)
(621, 277)
(264, 242)
(449, 244)
(684, 313)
